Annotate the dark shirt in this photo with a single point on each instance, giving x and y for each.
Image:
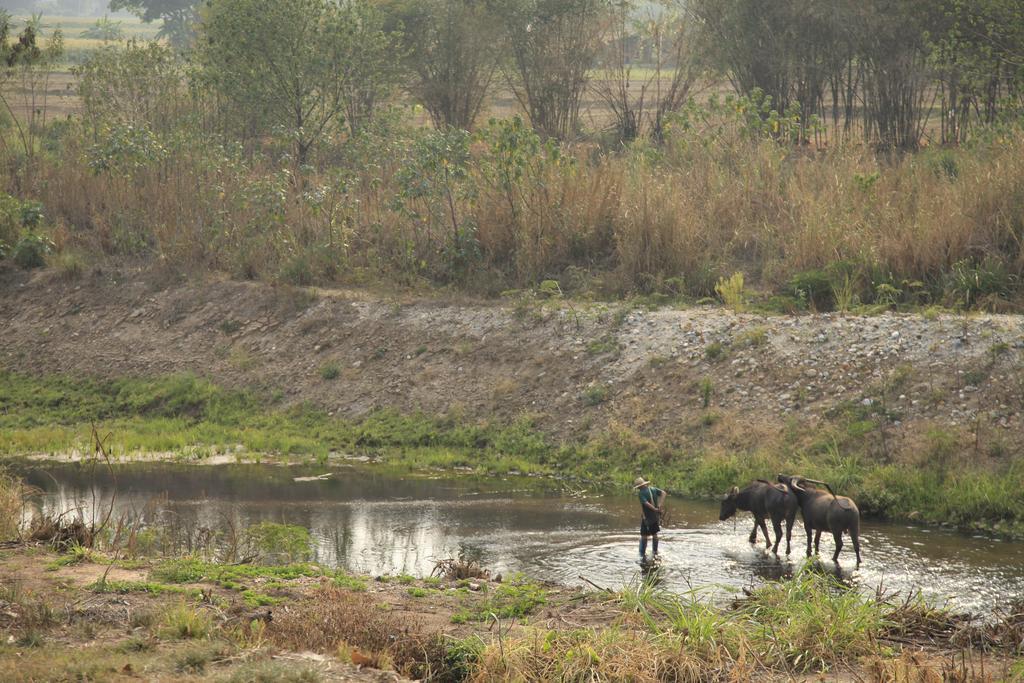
(650, 495)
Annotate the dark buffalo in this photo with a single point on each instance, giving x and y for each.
(763, 500)
(824, 510)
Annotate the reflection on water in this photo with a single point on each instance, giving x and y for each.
(375, 523)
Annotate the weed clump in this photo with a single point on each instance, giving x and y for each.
(186, 622)
(515, 599)
(330, 371)
(596, 395)
(332, 615)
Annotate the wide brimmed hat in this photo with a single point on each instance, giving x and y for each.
(639, 482)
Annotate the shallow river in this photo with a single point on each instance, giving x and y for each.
(382, 524)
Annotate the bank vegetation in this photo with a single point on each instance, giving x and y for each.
(865, 156)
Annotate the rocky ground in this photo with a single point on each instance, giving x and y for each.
(575, 368)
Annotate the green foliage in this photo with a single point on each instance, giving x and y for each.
(177, 17)
(181, 571)
(233, 576)
(516, 598)
(554, 46)
(452, 52)
(20, 220)
(124, 149)
(186, 622)
(330, 371)
(596, 394)
(707, 389)
(434, 182)
(817, 620)
(125, 587)
(105, 28)
(299, 66)
(136, 85)
(731, 292)
(732, 121)
(715, 351)
(973, 282)
(754, 337)
(273, 543)
(31, 250)
(606, 344)
(816, 287)
(462, 655)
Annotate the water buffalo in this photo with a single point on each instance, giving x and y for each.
(823, 510)
(763, 499)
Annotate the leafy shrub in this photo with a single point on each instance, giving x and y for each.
(272, 542)
(715, 351)
(17, 217)
(31, 251)
(814, 287)
(595, 395)
(972, 281)
(330, 371)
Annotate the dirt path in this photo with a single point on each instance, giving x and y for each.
(575, 369)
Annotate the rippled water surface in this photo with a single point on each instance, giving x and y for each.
(378, 524)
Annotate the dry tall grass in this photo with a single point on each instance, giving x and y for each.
(12, 498)
(333, 618)
(644, 220)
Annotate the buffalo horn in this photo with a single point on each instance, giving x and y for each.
(821, 483)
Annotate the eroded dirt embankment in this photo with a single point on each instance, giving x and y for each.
(698, 377)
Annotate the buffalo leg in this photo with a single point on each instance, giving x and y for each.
(838, 536)
(764, 529)
(753, 534)
(777, 525)
(807, 528)
(855, 537)
(817, 540)
(789, 532)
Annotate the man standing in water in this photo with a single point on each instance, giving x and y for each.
(651, 500)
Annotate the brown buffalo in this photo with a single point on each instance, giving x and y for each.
(763, 500)
(824, 510)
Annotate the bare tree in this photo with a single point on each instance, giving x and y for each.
(453, 54)
(648, 67)
(554, 46)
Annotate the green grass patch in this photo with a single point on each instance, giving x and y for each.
(255, 599)
(235, 576)
(125, 587)
(516, 598)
